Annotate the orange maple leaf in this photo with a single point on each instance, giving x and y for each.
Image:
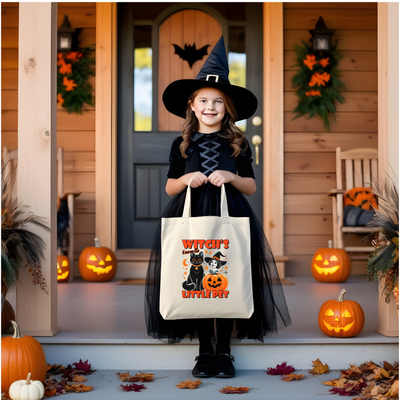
(311, 93)
(69, 84)
(188, 384)
(324, 62)
(78, 388)
(291, 377)
(310, 61)
(66, 69)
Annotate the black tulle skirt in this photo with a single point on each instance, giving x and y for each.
(270, 309)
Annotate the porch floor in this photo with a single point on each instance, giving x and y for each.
(111, 313)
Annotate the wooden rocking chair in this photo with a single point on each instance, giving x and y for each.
(360, 169)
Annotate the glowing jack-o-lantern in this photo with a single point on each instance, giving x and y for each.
(331, 265)
(341, 318)
(97, 264)
(215, 281)
(63, 268)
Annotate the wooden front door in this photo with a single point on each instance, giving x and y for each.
(147, 62)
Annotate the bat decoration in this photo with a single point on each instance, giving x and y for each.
(190, 53)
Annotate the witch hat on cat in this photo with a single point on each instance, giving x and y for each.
(214, 74)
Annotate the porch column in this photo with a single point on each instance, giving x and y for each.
(388, 128)
(106, 17)
(273, 131)
(37, 155)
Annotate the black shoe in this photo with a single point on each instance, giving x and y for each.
(223, 367)
(204, 366)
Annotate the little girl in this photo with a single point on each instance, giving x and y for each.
(213, 151)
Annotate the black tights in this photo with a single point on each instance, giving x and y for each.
(205, 331)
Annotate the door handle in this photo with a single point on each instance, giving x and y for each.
(256, 140)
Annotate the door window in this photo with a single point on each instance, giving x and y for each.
(143, 79)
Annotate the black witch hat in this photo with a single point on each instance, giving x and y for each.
(217, 257)
(214, 74)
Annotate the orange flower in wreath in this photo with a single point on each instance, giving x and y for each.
(311, 93)
(310, 61)
(60, 60)
(66, 69)
(324, 62)
(319, 79)
(74, 56)
(69, 84)
(60, 100)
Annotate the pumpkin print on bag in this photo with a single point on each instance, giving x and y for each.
(331, 265)
(341, 318)
(215, 281)
(97, 264)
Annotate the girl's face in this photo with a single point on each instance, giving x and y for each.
(213, 264)
(209, 108)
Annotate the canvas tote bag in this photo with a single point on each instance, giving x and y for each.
(205, 265)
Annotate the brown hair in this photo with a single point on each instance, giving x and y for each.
(232, 133)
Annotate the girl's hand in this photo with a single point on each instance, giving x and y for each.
(217, 178)
(197, 178)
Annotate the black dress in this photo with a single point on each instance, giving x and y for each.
(207, 153)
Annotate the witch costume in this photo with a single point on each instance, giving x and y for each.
(208, 153)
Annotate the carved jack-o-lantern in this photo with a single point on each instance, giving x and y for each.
(341, 318)
(97, 264)
(63, 269)
(331, 265)
(215, 282)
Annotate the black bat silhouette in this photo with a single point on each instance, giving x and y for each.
(190, 53)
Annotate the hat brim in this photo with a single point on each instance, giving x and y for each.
(209, 259)
(177, 93)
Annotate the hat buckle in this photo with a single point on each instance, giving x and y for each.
(215, 76)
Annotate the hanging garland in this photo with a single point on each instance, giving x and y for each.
(73, 71)
(316, 82)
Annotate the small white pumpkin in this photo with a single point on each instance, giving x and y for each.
(26, 390)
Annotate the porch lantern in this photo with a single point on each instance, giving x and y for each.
(64, 36)
(321, 36)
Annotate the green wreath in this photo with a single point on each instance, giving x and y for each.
(317, 82)
(73, 71)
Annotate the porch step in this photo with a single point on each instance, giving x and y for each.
(146, 354)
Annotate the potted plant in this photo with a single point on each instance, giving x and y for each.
(20, 248)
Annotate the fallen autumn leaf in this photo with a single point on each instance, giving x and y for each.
(188, 384)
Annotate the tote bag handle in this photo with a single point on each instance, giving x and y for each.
(187, 208)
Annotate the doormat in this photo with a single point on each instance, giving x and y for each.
(132, 282)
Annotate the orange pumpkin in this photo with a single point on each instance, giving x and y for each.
(19, 356)
(215, 281)
(341, 318)
(63, 269)
(97, 264)
(360, 197)
(331, 265)
(7, 314)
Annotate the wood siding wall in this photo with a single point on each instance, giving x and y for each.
(309, 150)
(75, 132)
